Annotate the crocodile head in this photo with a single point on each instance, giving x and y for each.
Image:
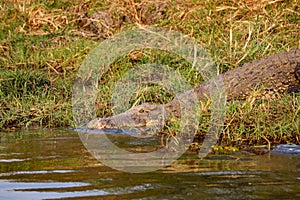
(145, 116)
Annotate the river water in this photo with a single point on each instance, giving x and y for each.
(54, 164)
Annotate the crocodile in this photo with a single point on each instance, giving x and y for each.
(278, 73)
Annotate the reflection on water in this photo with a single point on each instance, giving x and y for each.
(53, 164)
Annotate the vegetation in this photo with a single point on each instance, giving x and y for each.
(43, 43)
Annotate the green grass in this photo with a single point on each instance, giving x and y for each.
(43, 43)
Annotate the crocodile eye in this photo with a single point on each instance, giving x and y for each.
(141, 111)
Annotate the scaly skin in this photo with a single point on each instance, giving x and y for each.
(278, 73)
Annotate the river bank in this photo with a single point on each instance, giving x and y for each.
(43, 44)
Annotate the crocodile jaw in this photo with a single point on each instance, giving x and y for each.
(142, 116)
(101, 123)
